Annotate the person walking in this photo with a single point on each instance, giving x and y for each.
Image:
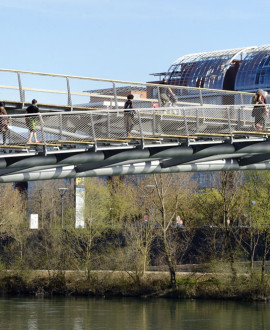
(164, 98)
(32, 121)
(129, 114)
(260, 111)
(3, 122)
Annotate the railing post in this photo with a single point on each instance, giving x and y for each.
(108, 125)
(9, 132)
(21, 91)
(240, 117)
(140, 126)
(159, 99)
(93, 130)
(61, 126)
(69, 94)
(201, 97)
(229, 122)
(186, 124)
(241, 99)
(154, 122)
(42, 132)
(201, 101)
(115, 96)
(197, 120)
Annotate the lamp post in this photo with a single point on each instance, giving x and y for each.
(62, 192)
(251, 215)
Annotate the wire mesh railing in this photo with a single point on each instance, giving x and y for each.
(126, 126)
(92, 93)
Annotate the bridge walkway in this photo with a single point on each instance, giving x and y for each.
(82, 130)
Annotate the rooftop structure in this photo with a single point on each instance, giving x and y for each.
(240, 69)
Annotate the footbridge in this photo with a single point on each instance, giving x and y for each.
(81, 128)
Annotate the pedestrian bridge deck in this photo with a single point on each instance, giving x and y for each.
(205, 130)
(106, 128)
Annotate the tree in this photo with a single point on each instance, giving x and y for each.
(138, 238)
(13, 223)
(162, 194)
(44, 199)
(258, 192)
(85, 240)
(123, 203)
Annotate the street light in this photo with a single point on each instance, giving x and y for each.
(62, 192)
(251, 213)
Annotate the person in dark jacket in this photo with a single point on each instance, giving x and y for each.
(32, 121)
(129, 114)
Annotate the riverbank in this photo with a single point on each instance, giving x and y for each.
(130, 284)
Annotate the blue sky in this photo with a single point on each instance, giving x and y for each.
(122, 39)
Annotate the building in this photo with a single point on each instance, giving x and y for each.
(242, 69)
(105, 98)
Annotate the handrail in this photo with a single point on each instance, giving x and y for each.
(165, 111)
(151, 94)
(110, 97)
(119, 81)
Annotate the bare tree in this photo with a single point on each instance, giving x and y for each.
(45, 200)
(84, 240)
(163, 194)
(13, 221)
(123, 203)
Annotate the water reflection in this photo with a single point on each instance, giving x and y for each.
(97, 314)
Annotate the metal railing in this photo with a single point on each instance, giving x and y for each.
(92, 93)
(118, 126)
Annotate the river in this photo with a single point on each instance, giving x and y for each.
(131, 314)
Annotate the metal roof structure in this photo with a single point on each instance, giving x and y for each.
(110, 91)
(254, 71)
(243, 69)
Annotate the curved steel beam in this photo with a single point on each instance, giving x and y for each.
(168, 157)
(141, 168)
(253, 147)
(254, 159)
(197, 159)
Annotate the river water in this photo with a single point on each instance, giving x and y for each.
(114, 314)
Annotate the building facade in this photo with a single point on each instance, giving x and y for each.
(242, 69)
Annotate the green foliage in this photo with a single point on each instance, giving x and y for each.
(208, 207)
(225, 200)
(123, 200)
(187, 281)
(257, 189)
(97, 200)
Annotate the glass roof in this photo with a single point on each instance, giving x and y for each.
(208, 69)
(254, 71)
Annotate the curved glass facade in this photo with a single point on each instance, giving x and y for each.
(254, 71)
(243, 69)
